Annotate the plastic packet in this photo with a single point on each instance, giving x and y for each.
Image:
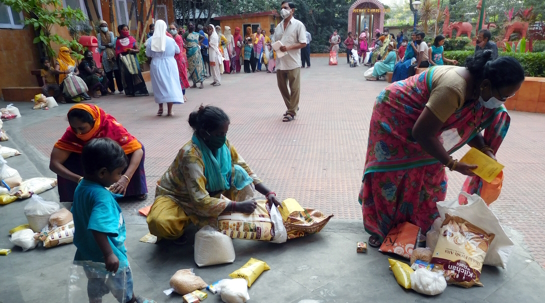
(428, 283)
(7, 199)
(18, 228)
(185, 281)
(233, 290)
(24, 239)
(250, 271)
(92, 279)
(5, 251)
(38, 211)
(280, 233)
(421, 264)
(402, 273)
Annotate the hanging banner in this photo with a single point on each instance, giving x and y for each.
(371, 10)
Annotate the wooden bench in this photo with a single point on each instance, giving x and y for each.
(20, 94)
(530, 97)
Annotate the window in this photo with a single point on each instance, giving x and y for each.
(80, 4)
(10, 18)
(161, 13)
(122, 12)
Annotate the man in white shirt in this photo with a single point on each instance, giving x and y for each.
(422, 58)
(292, 34)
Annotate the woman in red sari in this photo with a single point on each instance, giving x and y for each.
(417, 124)
(239, 44)
(88, 122)
(181, 58)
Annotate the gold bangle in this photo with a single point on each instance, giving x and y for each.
(128, 179)
(454, 165)
(79, 181)
(487, 149)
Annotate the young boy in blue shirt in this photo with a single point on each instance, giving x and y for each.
(99, 225)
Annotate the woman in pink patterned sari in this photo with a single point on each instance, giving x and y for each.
(181, 58)
(417, 123)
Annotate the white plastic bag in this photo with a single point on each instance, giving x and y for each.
(433, 234)
(233, 290)
(24, 239)
(478, 213)
(280, 233)
(9, 175)
(427, 282)
(13, 110)
(51, 102)
(8, 152)
(213, 247)
(369, 73)
(38, 211)
(33, 186)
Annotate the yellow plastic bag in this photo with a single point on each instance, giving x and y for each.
(402, 272)
(7, 199)
(18, 228)
(289, 206)
(252, 270)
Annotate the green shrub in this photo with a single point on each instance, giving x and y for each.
(538, 46)
(456, 44)
(533, 63)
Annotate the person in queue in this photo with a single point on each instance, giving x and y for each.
(88, 122)
(293, 35)
(206, 169)
(411, 138)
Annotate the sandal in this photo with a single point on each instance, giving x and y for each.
(374, 242)
(288, 118)
(160, 112)
(143, 197)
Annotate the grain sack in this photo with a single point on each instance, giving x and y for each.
(33, 186)
(9, 175)
(61, 217)
(254, 226)
(250, 271)
(38, 211)
(8, 152)
(58, 236)
(213, 247)
(185, 281)
(300, 221)
(460, 251)
(24, 239)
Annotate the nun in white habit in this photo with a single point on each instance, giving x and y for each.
(165, 78)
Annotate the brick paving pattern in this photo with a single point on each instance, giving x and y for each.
(317, 159)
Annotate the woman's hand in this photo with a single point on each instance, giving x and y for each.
(120, 187)
(490, 154)
(271, 199)
(246, 207)
(465, 169)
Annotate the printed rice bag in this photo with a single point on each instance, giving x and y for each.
(401, 240)
(460, 251)
(58, 236)
(250, 271)
(306, 222)
(254, 226)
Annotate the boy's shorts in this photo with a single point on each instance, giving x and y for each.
(121, 286)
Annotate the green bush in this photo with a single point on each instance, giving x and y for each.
(533, 63)
(456, 44)
(538, 46)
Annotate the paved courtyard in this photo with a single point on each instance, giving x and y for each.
(317, 159)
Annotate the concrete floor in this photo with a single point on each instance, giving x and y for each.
(317, 159)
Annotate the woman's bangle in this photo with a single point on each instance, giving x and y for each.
(452, 167)
(79, 181)
(486, 149)
(233, 206)
(125, 176)
(269, 194)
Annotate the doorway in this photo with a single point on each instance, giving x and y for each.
(254, 27)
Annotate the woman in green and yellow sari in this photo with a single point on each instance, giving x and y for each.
(207, 178)
(195, 62)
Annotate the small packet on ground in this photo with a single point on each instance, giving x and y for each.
(191, 298)
(460, 251)
(362, 247)
(421, 264)
(401, 240)
(185, 281)
(402, 273)
(250, 271)
(5, 251)
(422, 254)
(213, 288)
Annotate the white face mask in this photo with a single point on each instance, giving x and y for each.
(404, 43)
(173, 32)
(104, 29)
(491, 103)
(285, 13)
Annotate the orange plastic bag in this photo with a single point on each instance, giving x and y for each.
(401, 240)
(332, 58)
(491, 191)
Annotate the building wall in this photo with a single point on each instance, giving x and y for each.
(264, 21)
(18, 56)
